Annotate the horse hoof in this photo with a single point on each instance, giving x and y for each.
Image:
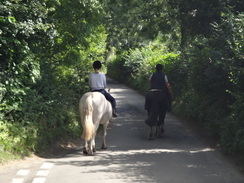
(162, 130)
(159, 134)
(150, 136)
(90, 152)
(159, 131)
(85, 151)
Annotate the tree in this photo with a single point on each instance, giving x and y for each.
(134, 23)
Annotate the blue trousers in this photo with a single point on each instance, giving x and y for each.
(108, 97)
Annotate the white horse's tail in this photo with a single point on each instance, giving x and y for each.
(88, 126)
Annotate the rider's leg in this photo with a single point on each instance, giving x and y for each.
(162, 113)
(112, 100)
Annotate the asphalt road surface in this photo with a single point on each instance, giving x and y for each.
(177, 157)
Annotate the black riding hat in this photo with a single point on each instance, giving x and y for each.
(97, 65)
(159, 67)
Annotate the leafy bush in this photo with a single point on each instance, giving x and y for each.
(232, 137)
(46, 53)
(17, 138)
(137, 65)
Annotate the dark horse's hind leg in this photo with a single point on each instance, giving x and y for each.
(151, 133)
(161, 116)
(159, 130)
(156, 106)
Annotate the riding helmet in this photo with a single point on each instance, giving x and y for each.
(97, 65)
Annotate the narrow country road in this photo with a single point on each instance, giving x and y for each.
(177, 157)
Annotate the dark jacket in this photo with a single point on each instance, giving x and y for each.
(158, 81)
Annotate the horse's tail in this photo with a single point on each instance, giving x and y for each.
(88, 126)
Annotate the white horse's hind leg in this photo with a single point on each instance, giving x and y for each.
(85, 150)
(104, 145)
(90, 149)
(93, 144)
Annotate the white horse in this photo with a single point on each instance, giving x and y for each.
(94, 110)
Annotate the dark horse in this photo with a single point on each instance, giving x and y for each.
(156, 105)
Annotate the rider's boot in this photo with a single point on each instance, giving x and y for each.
(115, 113)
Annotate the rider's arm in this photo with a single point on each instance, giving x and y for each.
(150, 79)
(167, 84)
(169, 88)
(104, 80)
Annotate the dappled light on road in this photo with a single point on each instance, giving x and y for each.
(159, 151)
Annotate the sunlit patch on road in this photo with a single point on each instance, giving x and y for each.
(158, 151)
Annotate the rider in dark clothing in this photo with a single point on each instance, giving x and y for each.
(157, 98)
(157, 82)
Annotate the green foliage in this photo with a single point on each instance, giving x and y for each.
(134, 23)
(17, 138)
(7, 156)
(232, 137)
(116, 68)
(214, 77)
(138, 64)
(47, 48)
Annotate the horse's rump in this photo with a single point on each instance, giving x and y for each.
(94, 110)
(156, 105)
